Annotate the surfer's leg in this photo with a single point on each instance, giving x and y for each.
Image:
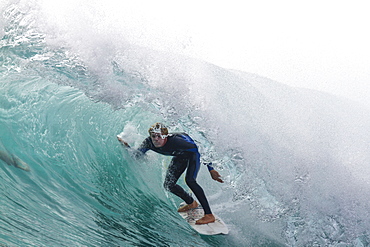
(191, 175)
(174, 171)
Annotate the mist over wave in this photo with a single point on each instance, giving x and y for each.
(295, 161)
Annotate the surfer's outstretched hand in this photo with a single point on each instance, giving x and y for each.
(216, 176)
(122, 141)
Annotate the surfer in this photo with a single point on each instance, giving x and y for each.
(186, 157)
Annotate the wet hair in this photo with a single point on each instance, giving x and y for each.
(158, 128)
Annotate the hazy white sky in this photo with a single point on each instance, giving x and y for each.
(318, 44)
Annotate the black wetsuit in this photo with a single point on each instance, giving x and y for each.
(186, 155)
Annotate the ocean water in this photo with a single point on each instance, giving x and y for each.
(295, 161)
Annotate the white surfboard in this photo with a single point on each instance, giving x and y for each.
(192, 215)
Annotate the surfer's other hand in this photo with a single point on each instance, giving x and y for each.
(216, 176)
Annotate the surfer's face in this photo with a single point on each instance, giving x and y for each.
(157, 140)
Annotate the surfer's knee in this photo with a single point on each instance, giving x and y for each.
(191, 182)
(168, 185)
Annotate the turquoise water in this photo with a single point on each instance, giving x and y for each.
(295, 162)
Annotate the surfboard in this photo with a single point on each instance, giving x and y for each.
(192, 215)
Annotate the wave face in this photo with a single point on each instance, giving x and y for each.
(295, 161)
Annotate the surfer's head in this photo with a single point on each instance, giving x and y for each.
(158, 133)
(159, 128)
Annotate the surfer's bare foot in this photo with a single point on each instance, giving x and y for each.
(187, 207)
(207, 218)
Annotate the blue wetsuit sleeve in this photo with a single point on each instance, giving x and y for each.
(209, 166)
(136, 153)
(143, 148)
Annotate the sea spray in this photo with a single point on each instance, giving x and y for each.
(295, 160)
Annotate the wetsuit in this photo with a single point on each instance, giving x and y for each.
(186, 155)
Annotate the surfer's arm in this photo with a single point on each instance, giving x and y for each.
(123, 142)
(214, 174)
(136, 153)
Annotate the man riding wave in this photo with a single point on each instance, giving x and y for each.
(185, 157)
